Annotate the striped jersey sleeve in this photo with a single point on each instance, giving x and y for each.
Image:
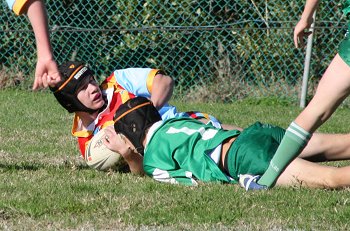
(138, 81)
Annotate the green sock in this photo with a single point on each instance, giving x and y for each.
(292, 144)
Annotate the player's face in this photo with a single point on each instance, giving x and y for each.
(90, 94)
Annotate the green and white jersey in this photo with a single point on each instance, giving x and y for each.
(178, 151)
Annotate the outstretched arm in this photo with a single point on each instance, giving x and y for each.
(46, 73)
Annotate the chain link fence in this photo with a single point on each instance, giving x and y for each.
(215, 50)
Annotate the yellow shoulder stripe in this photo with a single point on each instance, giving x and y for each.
(18, 6)
(150, 78)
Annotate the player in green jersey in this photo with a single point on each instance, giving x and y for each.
(186, 151)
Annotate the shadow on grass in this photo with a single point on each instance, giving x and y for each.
(21, 166)
(38, 166)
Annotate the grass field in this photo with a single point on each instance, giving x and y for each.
(46, 186)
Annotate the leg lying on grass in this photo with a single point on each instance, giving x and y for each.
(313, 175)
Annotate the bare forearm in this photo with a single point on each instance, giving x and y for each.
(37, 15)
(309, 9)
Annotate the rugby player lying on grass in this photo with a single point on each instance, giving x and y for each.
(94, 105)
(184, 150)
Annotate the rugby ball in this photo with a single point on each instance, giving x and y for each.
(99, 157)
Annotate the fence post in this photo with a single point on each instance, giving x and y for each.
(307, 64)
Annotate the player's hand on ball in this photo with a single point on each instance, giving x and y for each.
(99, 156)
(115, 142)
(249, 182)
(120, 144)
